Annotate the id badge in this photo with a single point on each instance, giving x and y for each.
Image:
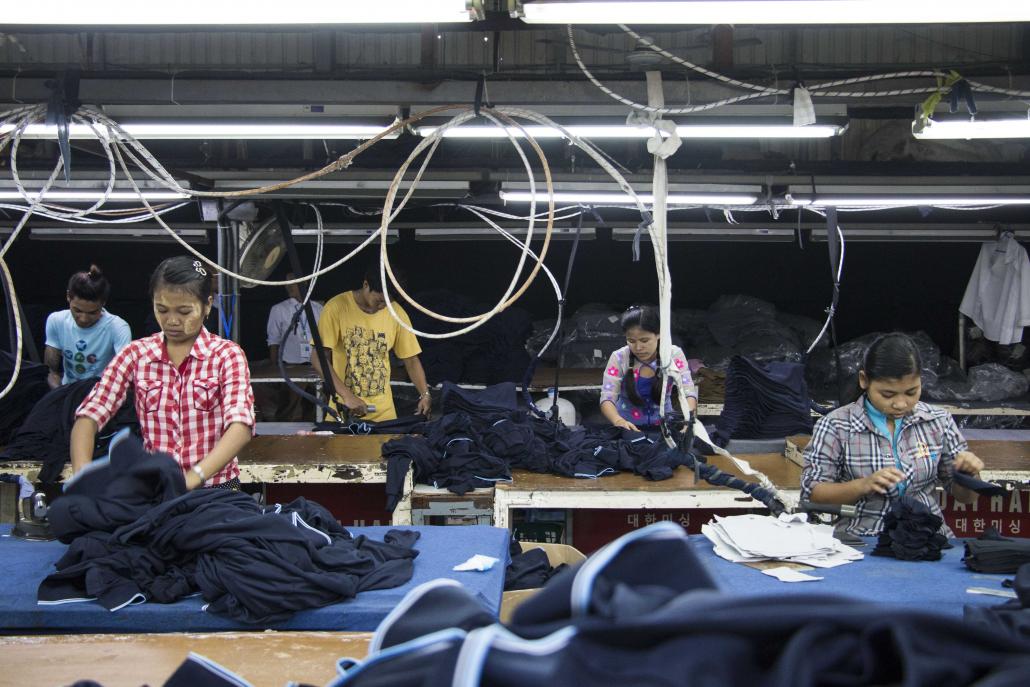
(305, 351)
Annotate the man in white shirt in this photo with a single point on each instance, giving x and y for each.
(296, 349)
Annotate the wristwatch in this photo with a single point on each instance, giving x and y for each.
(199, 472)
(424, 394)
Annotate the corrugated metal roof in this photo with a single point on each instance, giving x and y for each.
(535, 50)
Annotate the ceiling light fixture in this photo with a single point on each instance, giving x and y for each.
(929, 199)
(623, 199)
(207, 13)
(218, 130)
(93, 196)
(457, 233)
(708, 232)
(594, 131)
(771, 12)
(952, 129)
(116, 233)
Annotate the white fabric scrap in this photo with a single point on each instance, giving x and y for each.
(784, 574)
(479, 562)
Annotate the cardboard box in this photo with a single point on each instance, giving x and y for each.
(8, 502)
(556, 555)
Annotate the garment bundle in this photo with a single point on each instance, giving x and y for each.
(137, 536)
(644, 611)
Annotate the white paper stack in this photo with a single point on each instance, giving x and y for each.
(752, 538)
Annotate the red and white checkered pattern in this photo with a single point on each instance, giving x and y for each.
(181, 414)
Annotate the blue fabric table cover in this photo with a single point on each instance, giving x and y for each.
(23, 564)
(926, 585)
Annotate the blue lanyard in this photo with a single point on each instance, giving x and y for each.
(880, 422)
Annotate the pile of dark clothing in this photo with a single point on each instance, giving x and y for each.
(45, 433)
(137, 535)
(1012, 617)
(528, 569)
(911, 532)
(492, 353)
(481, 437)
(993, 553)
(462, 452)
(647, 613)
(764, 401)
(30, 387)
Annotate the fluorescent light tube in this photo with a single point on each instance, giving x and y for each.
(123, 233)
(623, 199)
(709, 233)
(230, 13)
(987, 128)
(489, 234)
(592, 131)
(92, 196)
(218, 130)
(343, 235)
(774, 12)
(907, 201)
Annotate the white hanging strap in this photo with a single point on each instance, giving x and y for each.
(804, 111)
(740, 464)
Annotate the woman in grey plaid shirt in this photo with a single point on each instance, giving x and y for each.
(886, 443)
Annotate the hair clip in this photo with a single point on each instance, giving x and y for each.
(199, 268)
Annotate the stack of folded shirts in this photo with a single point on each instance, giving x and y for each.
(911, 532)
(764, 401)
(992, 553)
(753, 538)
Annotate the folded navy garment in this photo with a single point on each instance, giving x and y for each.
(993, 553)
(763, 401)
(499, 398)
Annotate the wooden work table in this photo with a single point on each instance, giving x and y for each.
(293, 459)
(265, 659)
(626, 490)
(1002, 459)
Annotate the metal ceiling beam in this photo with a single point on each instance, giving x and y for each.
(382, 97)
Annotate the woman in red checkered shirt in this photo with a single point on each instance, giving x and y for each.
(192, 388)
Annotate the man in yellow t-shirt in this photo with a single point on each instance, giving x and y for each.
(358, 333)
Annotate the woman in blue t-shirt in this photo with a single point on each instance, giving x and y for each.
(84, 338)
(631, 394)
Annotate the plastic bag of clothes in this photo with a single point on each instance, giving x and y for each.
(541, 333)
(806, 328)
(589, 354)
(821, 370)
(597, 321)
(988, 382)
(743, 305)
(688, 323)
(748, 326)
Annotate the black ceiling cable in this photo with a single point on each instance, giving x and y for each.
(527, 379)
(328, 388)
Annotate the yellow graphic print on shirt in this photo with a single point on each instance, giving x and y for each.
(367, 351)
